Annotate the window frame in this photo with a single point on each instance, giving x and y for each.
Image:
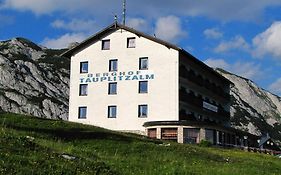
(109, 110)
(80, 113)
(139, 111)
(109, 88)
(112, 61)
(128, 42)
(140, 63)
(103, 44)
(81, 67)
(143, 92)
(80, 92)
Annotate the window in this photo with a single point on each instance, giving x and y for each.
(84, 67)
(112, 111)
(142, 110)
(112, 88)
(143, 87)
(82, 113)
(131, 42)
(113, 64)
(151, 133)
(83, 90)
(143, 64)
(105, 44)
(169, 133)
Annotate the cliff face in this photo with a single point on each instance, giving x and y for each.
(253, 109)
(33, 80)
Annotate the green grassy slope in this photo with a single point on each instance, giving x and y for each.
(31, 145)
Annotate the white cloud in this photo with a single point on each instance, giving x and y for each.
(63, 41)
(236, 43)
(213, 33)
(75, 25)
(138, 24)
(275, 87)
(226, 10)
(268, 42)
(248, 70)
(169, 28)
(217, 63)
(36, 6)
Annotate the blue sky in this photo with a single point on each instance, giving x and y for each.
(243, 37)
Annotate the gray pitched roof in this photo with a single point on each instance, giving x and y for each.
(116, 26)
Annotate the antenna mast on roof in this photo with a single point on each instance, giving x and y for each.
(124, 12)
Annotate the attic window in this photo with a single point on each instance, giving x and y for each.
(131, 42)
(105, 44)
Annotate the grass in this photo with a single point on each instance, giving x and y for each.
(30, 145)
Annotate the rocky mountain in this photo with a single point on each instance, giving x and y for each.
(253, 109)
(33, 80)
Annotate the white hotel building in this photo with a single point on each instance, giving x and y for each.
(122, 79)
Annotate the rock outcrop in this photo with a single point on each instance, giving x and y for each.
(33, 80)
(253, 109)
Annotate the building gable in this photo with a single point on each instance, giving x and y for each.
(110, 29)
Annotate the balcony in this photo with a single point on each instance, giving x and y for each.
(184, 116)
(197, 104)
(205, 83)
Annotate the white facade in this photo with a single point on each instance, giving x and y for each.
(162, 97)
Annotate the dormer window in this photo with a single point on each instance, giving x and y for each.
(105, 44)
(131, 42)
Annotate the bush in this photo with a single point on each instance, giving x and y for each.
(205, 143)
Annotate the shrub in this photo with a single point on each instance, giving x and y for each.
(205, 143)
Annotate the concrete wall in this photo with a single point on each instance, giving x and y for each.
(162, 96)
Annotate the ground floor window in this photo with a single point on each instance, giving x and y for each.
(82, 112)
(191, 135)
(112, 111)
(151, 133)
(210, 135)
(169, 133)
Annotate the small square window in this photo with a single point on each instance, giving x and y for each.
(84, 67)
(82, 113)
(112, 88)
(83, 90)
(143, 64)
(131, 42)
(143, 86)
(142, 111)
(112, 111)
(113, 65)
(105, 44)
